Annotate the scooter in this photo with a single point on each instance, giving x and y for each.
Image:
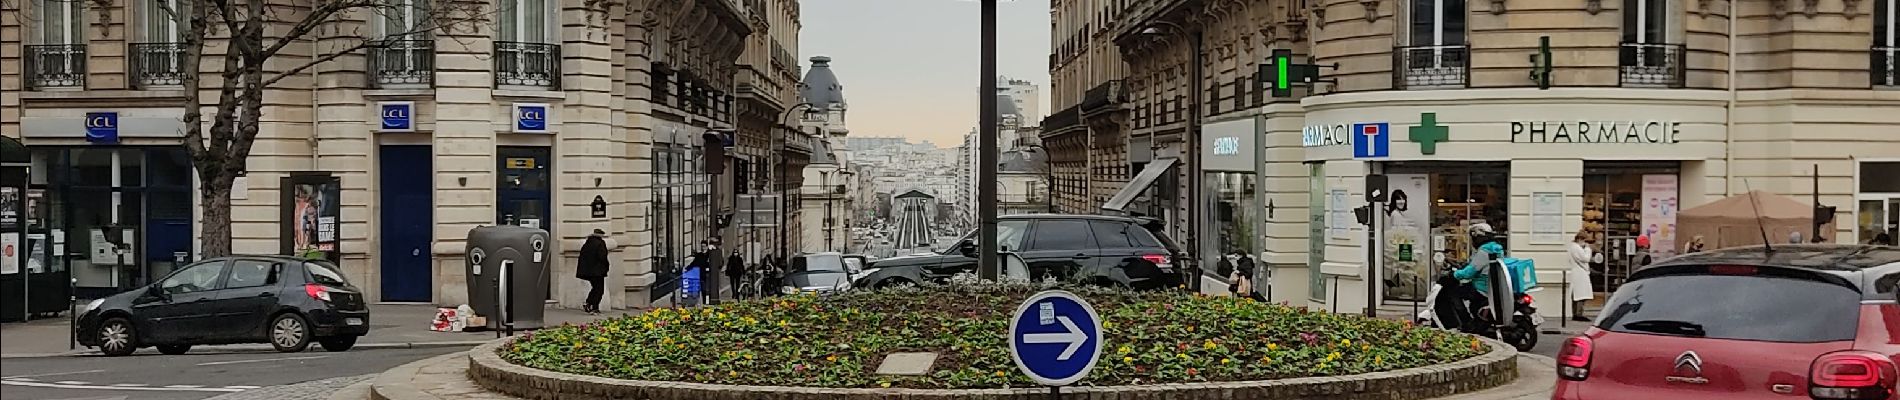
(1451, 310)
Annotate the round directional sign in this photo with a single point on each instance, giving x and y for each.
(1055, 338)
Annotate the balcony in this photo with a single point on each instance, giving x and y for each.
(1060, 120)
(1107, 94)
(1650, 64)
(56, 66)
(1431, 67)
(157, 64)
(536, 65)
(1885, 66)
(397, 63)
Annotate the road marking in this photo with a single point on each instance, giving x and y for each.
(23, 377)
(257, 361)
(72, 382)
(243, 387)
(129, 384)
(96, 387)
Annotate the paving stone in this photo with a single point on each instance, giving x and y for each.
(912, 364)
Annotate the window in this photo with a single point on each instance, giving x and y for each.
(1063, 234)
(1645, 21)
(325, 273)
(1647, 56)
(1112, 234)
(1438, 23)
(195, 278)
(252, 273)
(1752, 308)
(161, 21)
(1886, 49)
(61, 21)
(524, 21)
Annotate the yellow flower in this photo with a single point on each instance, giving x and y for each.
(782, 323)
(1182, 355)
(1125, 360)
(1225, 361)
(999, 374)
(1123, 350)
(1208, 345)
(832, 358)
(1365, 347)
(1272, 347)
(1378, 360)
(1345, 342)
(748, 356)
(1108, 325)
(734, 374)
(1266, 360)
(884, 384)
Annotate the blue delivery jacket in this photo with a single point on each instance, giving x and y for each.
(1523, 272)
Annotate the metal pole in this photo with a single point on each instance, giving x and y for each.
(1569, 300)
(986, 148)
(1372, 259)
(1055, 392)
(1817, 203)
(1193, 149)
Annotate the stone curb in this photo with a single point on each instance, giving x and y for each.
(396, 383)
(357, 391)
(236, 349)
(1495, 368)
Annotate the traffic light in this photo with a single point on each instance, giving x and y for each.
(1540, 64)
(1363, 214)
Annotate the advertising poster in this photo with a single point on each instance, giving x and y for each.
(9, 208)
(9, 254)
(1659, 214)
(1547, 217)
(1407, 235)
(1340, 214)
(311, 219)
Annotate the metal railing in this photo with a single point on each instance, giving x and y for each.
(1884, 65)
(1650, 64)
(528, 64)
(56, 66)
(157, 64)
(1425, 67)
(1108, 93)
(403, 62)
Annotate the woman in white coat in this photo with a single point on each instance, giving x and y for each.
(1581, 291)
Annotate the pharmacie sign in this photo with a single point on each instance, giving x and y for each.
(1326, 135)
(1653, 132)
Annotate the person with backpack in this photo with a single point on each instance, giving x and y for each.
(593, 269)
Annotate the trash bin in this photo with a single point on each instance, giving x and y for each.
(508, 275)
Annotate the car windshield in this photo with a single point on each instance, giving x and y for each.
(1767, 308)
(819, 263)
(325, 274)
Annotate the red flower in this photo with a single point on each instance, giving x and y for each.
(1192, 371)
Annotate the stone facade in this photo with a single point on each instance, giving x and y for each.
(629, 85)
(1751, 115)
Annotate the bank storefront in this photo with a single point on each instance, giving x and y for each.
(1539, 166)
(110, 197)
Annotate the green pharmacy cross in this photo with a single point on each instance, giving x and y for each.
(1428, 133)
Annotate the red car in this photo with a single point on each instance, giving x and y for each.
(1787, 322)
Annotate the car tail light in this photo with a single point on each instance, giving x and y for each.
(1158, 259)
(1733, 270)
(1573, 362)
(1851, 375)
(316, 291)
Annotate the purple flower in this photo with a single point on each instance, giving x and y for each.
(1310, 338)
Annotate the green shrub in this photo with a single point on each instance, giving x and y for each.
(839, 341)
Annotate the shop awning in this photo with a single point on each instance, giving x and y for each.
(13, 152)
(1142, 181)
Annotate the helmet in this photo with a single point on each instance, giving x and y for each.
(1482, 233)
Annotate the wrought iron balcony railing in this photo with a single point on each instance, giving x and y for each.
(404, 63)
(56, 66)
(1108, 93)
(1884, 66)
(1426, 67)
(1651, 64)
(528, 64)
(157, 64)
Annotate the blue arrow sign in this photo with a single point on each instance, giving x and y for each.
(1055, 338)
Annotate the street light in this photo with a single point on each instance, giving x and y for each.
(779, 144)
(1192, 142)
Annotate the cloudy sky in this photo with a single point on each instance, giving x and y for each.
(909, 67)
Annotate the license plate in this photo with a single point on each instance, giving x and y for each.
(352, 321)
(1537, 319)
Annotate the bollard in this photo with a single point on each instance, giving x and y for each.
(1335, 290)
(1568, 299)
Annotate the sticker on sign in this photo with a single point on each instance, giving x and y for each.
(1060, 342)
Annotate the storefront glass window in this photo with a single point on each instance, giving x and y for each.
(1428, 215)
(1879, 216)
(1316, 230)
(73, 201)
(1234, 215)
(1616, 212)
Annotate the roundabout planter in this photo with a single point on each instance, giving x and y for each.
(1166, 346)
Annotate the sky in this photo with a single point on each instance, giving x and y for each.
(909, 67)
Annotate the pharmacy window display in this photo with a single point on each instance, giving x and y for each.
(1877, 216)
(1427, 212)
(1630, 209)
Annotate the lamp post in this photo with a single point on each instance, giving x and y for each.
(1191, 144)
(784, 163)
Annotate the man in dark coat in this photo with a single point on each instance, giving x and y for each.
(593, 269)
(735, 272)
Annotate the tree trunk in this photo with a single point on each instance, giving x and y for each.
(214, 197)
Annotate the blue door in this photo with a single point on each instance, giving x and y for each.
(407, 222)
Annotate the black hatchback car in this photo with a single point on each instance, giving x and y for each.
(285, 301)
(1101, 250)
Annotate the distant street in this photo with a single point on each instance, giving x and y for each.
(234, 376)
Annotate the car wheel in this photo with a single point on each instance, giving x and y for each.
(336, 344)
(289, 333)
(174, 349)
(117, 337)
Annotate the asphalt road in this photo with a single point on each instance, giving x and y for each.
(226, 376)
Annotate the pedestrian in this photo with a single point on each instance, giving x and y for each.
(1642, 251)
(1582, 253)
(593, 269)
(1695, 245)
(1244, 270)
(735, 273)
(697, 267)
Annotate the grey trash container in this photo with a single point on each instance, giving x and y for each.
(524, 254)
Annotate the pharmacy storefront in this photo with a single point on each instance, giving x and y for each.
(1607, 163)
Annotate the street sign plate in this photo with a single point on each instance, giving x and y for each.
(1055, 338)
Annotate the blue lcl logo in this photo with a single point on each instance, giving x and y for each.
(531, 118)
(397, 116)
(102, 127)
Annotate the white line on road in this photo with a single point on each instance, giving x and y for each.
(92, 387)
(184, 386)
(263, 360)
(243, 387)
(129, 384)
(22, 377)
(72, 382)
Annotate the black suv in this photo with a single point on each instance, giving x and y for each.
(1093, 249)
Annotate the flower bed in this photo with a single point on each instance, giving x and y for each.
(839, 341)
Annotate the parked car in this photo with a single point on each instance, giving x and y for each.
(285, 301)
(821, 273)
(1092, 249)
(1791, 321)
